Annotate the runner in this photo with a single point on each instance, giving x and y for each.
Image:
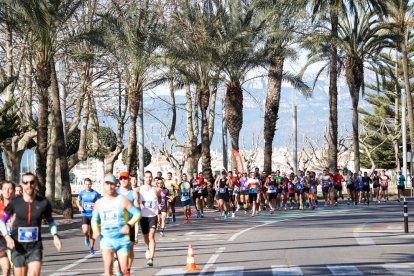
(337, 185)
(86, 201)
(7, 193)
(253, 183)
(244, 192)
(26, 238)
(223, 194)
(401, 185)
(135, 187)
(284, 190)
(271, 186)
(376, 184)
(233, 193)
(298, 181)
(195, 193)
(172, 186)
(149, 197)
(364, 194)
(109, 221)
(185, 191)
(327, 180)
(383, 179)
(202, 191)
(279, 189)
(162, 212)
(18, 191)
(126, 190)
(350, 187)
(312, 190)
(358, 186)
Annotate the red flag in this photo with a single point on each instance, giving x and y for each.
(239, 161)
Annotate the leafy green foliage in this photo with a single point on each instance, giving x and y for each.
(147, 157)
(9, 120)
(106, 136)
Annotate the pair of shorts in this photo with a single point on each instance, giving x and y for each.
(299, 192)
(132, 234)
(196, 195)
(245, 192)
(384, 188)
(185, 202)
(120, 245)
(86, 220)
(22, 257)
(163, 210)
(148, 223)
(351, 188)
(3, 247)
(172, 202)
(325, 190)
(376, 185)
(291, 194)
(252, 198)
(272, 196)
(365, 188)
(224, 196)
(402, 188)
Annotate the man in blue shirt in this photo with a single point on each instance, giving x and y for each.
(86, 201)
(401, 186)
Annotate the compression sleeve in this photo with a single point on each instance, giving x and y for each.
(136, 215)
(3, 220)
(52, 225)
(95, 222)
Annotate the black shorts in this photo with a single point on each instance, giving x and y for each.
(291, 194)
(22, 257)
(163, 209)
(3, 247)
(172, 202)
(306, 190)
(245, 192)
(148, 223)
(402, 188)
(376, 185)
(272, 196)
(252, 198)
(196, 195)
(86, 220)
(351, 188)
(384, 188)
(365, 188)
(132, 234)
(325, 190)
(204, 193)
(299, 192)
(223, 196)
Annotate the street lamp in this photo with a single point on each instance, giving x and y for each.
(295, 131)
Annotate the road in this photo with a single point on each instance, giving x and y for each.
(343, 240)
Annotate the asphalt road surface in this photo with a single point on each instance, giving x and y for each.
(343, 240)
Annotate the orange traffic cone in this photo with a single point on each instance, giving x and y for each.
(191, 265)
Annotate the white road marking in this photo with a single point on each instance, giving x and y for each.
(229, 271)
(363, 241)
(212, 260)
(172, 271)
(399, 269)
(78, 262)
(286, 270)
(344, 270)
(189, 233)
(64, 273)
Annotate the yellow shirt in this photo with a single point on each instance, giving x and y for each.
(172, 186)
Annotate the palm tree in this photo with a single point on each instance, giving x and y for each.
(43, 19)
(332, 9)
(401, 14)
(238, 54)
(131, 33)
(279, 32)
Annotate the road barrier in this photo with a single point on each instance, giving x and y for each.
(405, 216)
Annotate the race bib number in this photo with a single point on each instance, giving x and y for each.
(88, 206)
(163, 201)
(148, 204)
(299, 186)
(28, 234)
(243, 188)
(110, 216)
(272, 188)
(222, 190)
(196, 188)
(186, 194)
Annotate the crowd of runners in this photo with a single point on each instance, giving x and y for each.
(115, 217)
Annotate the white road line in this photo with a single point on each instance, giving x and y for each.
(286, 270)
(344, 270)
(229, 271)
(78, 262)
(363, 241)
(189, 233)
(172, 271)
(64, 273)
(399, 269)
(212, 260)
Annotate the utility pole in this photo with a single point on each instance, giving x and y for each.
(404, 132)
(140, 134)
(295, 131)
(224, 138)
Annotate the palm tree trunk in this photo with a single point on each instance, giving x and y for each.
(51, 162)
(131, 161)
(233, 116)
(2, 170)
(204, 99)
(67, 209)
(410, 116)
(333, 93)
(274, 89)
(42, 76)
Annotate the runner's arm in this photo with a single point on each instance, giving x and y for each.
(95, 221)
(49, 219)
(3, 227)
(134, 211)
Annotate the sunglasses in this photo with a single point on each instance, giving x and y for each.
(123, 178)
(31, 182)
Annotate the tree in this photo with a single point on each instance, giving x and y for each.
(332, 10)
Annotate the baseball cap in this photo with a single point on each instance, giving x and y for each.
(124, 174)
(110, 178)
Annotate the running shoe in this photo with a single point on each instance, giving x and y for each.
(326, 204)
(91, 252)
(225, 217)
(118, 274)
(202, 215)
(336, 203)
(253, 214)
(272, 211)
(245, 212)
(167, 220)
(301, 208)
(87, 243)
(233, 215)
(186, 221)
(313, 207)
(147, 254)
(238, 208)
(198, 214)
(173, 218)
(150, 262)
(162, 233)
(190, 214)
